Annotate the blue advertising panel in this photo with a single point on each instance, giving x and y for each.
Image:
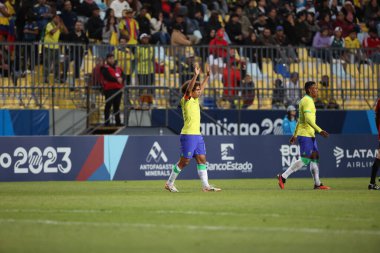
(266, 122)
(24, 122)
(152, 157)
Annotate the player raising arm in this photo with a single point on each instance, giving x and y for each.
(305, 134)
(192, 143)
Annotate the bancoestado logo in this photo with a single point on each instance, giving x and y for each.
(289, 154)
(227, 155)
(354, 158)
(266, 127)
(36, 161)
(156, 165)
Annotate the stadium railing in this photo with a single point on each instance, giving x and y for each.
(244, 77)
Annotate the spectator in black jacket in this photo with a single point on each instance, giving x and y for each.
(95, 30)
(234, 31)
(68, 16)
(76, 52)
(144, 23)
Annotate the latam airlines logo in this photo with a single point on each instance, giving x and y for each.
(226, 150)
(156, 153)
(156, 162)
(354, 158)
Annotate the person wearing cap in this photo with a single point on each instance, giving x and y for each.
(118, 6)
(113, 82)
(337, 44)
(129, 27)
(289, 122)
(145, 63)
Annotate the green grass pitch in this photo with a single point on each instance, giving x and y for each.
(140, 216)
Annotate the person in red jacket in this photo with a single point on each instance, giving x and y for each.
(373, 42)
(113, 82)
(218, 52)
(376, 164)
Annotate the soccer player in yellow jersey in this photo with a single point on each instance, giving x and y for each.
(192, 143)
(305, 134)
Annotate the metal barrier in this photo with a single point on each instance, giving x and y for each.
(61, 75)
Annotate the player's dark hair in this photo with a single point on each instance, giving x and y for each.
(184, 86)
(308, 85)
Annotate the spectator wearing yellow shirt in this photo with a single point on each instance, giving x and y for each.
(352, 43)
(51, 48)
(129, 27)
(124, 57)
(145, 62)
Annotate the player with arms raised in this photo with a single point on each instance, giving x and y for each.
(192, 143)
(305, 134)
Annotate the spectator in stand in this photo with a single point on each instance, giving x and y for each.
(284, 54)
(372, 41)
(260, 24)
(345, 23)
(31, 37)
(124, 57)
(43, 13)
(325, 21)
(110, 33)
(252, 53)
(290, 29)
(349, 12)
(113, 82)
(95, 28)
(231, 76)
(266, 39)
(337, 44)
(194, 6)
(324, 10)
(85, 11)
(213, 23)
(118, 6)
(250, 11)
(321, 42)
(261, 7)
(278, 99)
(293, 92)
(311, 24)
(234, 31)
(136, 5)
(272, 21)
(145, 63)
(218, 54)
(372, 11)
(301, 30)
(352, 44)
(143, 21)
(246, 25)
(247, 91)
(76, 53)
(289, 122)
(51, 51)
(159, 30)
(129, 27)
(5, 14)
(69, 17)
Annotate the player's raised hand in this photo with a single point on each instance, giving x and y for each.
(324, 133)
(197, 69)
(207, 70)
(293, 140)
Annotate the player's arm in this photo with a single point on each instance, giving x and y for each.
(205, 81)
(194, 79)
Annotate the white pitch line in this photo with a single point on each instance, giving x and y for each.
(54, 211)
(195, 227)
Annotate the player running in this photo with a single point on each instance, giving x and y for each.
(305, 134)
(376, 164)
(192, 143)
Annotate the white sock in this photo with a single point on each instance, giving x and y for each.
(202, 173)
(293, 168)
(314, 169)
(176, 170)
